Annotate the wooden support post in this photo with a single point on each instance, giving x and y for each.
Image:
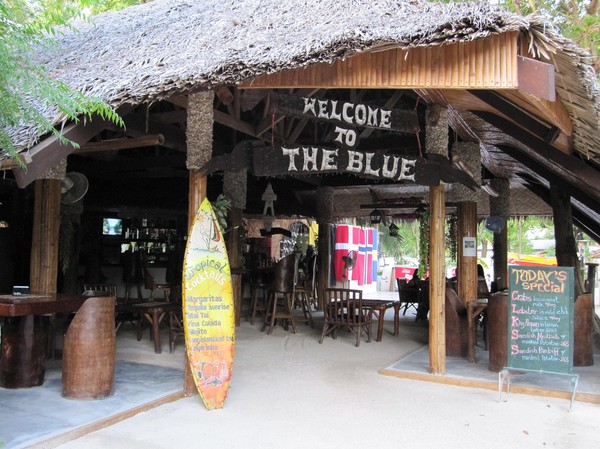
(233, 250)
(437, 283)
(566, 246)
(501, 259)
(500, 207)
(436, 142)
(43, 272)
(197, 193)
(467, 265)
(324, 252)
(44, 245)
(325, 206)
(199, 134)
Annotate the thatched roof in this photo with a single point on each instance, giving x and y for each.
(150, 52)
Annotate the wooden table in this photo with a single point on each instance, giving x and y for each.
(474, 310)
(378, 307)
(25, 335)
(154, 312)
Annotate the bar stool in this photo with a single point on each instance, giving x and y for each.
(305, 292)
(259, 289)
(281, 294)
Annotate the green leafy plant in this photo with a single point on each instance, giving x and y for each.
(221, 206)
(27, 26)
(423, 244)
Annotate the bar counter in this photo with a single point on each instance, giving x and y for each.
(25, 335)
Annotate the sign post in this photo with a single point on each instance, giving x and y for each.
(540, 323)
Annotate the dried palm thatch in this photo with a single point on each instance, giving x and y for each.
(152, 51)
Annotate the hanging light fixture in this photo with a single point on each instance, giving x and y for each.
(376, 216)
(269, 210)
(419, 211)
(393, 230)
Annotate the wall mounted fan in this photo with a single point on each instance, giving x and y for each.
(73, 187)
(495, 224)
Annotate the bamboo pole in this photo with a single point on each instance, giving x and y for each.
(44, 245)
(437, 282)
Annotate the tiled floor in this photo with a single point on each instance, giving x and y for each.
(31, 415)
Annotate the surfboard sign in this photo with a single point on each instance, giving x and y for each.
(208, 314)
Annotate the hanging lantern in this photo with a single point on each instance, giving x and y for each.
(393, 230)
(376, 216)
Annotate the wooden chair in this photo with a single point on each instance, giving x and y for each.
(152, 285)
(457, 327)
(133, 276)
(281, 294)
(123, 311)
(176, 330)
(88, 367)
(343, 309)
(409, 296)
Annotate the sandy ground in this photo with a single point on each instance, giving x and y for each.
(290, 391)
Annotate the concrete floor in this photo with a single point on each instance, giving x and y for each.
(286, 390)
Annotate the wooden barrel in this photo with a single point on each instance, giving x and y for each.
(583, 343)
(497, 331)
(88, 369)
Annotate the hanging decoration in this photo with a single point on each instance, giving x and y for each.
(423, 244)
(269, 211)
(451, 229)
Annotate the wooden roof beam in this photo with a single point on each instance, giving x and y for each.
(547, 132)
(580, 175)
(121, 144)
(48, 153)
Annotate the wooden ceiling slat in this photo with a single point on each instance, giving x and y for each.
(422, 67)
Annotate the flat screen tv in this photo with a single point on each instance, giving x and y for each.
(112, 226)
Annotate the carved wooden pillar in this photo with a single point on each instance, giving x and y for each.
(235, 187)
(199, 135)
(436, 142)
(469, 154)
(500, 207)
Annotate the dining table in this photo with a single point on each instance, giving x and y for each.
(378, 308)
(25, 331)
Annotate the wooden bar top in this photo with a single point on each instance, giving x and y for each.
(21, 305)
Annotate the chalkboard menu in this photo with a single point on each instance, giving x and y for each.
(540, 318)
